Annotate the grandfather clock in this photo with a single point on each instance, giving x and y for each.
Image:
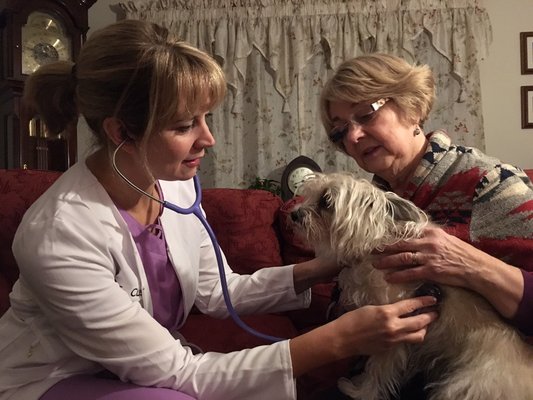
(34, 33)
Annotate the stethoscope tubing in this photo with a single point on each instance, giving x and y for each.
(196, 210)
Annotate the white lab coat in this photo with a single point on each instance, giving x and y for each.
(82, 302)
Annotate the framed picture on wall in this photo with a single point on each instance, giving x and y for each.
(527, 107)
(526, 52)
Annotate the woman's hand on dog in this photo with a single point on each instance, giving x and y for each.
(364, 331)
(445, 259)
(373, 329)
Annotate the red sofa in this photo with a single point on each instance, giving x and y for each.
(252, 228)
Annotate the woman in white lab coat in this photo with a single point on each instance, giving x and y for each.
(108, 276)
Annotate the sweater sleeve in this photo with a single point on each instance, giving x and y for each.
(523, 319)
(502, 225)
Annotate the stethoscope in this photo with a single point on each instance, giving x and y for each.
(196, 210)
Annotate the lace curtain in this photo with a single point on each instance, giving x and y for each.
(277, 54)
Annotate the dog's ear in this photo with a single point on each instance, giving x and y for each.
(409, 219)
(403, 210)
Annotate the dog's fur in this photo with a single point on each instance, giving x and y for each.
(469, 353)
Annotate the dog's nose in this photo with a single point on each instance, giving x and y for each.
(296, 215)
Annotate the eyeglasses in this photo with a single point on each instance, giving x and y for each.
(367, 114)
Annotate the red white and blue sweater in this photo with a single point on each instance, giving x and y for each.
(482, 201)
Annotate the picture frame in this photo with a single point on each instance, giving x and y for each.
(526, 53)
(527, 106)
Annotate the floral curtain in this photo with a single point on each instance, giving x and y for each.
(277, 54)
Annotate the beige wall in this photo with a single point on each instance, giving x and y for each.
(500, 78)
(501, 81)
(100, 14)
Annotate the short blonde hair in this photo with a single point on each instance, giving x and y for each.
(134, 71)
(374, 76)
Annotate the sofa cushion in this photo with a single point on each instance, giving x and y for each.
(18, 190)
(244, 221)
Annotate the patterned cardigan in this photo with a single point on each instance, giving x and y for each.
(482, 201)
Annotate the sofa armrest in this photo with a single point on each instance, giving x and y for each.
(18, 190)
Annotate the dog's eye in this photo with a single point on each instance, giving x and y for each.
(323, 202)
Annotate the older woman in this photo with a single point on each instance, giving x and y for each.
(373, 110)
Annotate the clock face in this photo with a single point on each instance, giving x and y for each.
(295, 173)
(43, 41)
(297, 177)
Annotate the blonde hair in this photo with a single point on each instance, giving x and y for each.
(132, 70)
(374, 76)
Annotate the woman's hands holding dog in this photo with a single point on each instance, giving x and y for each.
(443, 258)
(367, 330)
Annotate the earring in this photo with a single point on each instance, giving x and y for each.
(417, 131)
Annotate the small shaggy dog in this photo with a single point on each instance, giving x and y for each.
(469, 353)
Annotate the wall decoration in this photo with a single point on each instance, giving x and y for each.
(527, 107)
(526, 52)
